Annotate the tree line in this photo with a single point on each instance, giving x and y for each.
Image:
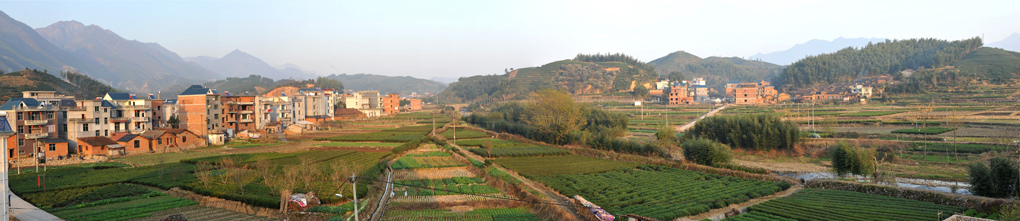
(618, 57)
(553, 117)
(749, 131)
(889, 57)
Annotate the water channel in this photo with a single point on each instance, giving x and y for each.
(925, 184)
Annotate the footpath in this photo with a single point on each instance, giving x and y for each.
(691, 124)
(22, 210)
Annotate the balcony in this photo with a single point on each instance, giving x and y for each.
(249, 120)
(82, 120)
(120, 119)
(136, 107)
(36, 122)
(241, 102)
(36, 108)
(36, 135)
(140, 119)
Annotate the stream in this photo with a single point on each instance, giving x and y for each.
(925, 184)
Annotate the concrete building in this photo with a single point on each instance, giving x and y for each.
(91, 118)
(367, 102)
(33, 121)
(131, 114)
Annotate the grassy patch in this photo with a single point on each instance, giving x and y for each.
(465, 134)
(161, 158)
(928, 131)
(872, 113)
(359, 144)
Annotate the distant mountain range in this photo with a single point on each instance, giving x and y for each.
(1011, 43)
(812, 47)
(444, 80)
(240, 64)
(21, 47)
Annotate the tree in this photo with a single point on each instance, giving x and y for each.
(848, 159)
(487, 145)
(640, 91)
(309, 172)
(666, 136)
(555, 113)
(173, 121)
(675, 76)
(707, 152)
(997, 179)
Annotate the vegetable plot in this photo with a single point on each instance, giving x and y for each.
(819, 204)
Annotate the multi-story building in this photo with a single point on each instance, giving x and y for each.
(169, 109)
(679, 94)
(239, 113)
(391, 104)
(131, 113)
(752, 93)
(367, 102)
(199, 110)
(414, 105)
(316, 103)
(35, 122)
(91, 118)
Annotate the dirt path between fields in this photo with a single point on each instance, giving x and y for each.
(559, 199)
(784, 167)
(691, 124)
(720, 213)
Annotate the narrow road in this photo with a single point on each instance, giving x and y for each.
(26, 211)
(383, 201)
(691, 124)
(554, 196)
(720, 213)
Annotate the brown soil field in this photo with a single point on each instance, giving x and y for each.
(432, 173)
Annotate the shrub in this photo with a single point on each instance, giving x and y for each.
(758, 131)
(848, 159)
(707, 152)
(998, 179)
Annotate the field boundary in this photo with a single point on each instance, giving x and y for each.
(983, 204)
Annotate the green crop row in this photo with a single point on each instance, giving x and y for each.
(819, 204)
(929, 130)
(958, 148)
(663, 193)
(464, 134)
(533, 151)
(425, 162)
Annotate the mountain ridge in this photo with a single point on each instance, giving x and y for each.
(812, 47)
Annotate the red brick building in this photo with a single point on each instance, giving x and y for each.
(415, 104)
(679, 94)
(239, 113)
(99, 146)
(133, 143)
(159, 140)
(391, 104)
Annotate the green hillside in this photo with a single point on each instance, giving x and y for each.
(254, 84)
(78, 85)
(993, 64)
(605, 74)
(402, 85)
(716, 70)
(889, 57)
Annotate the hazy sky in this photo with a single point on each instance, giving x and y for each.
(463, 38)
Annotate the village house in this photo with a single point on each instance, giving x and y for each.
(133, 143)
(99, 146)
(160, 140)
(199, 110)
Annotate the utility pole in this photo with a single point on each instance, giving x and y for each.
(354, 188)
(3, 186)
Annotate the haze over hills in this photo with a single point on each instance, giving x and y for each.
(812, 47)
(1011, 43)
(402, 85)
(240, 64)
(443, 79)
(133, 65)
(22, 47)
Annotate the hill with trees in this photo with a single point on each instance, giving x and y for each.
(402, 85)
(889, 57)
(812, 47)
(716, 70)
(992, 65)
(79, 85)
(585, 74)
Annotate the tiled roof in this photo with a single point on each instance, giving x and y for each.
(152, 134)
(170, 101)
(55, 140)
(195, 89)
(14, 102)
(127, 137)
(97, 141)
(68, 103)
(106, 103)
(119, 96)
(4, 125)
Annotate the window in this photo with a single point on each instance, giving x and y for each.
(184, 139)
(97, 133)
(97, 120)
(106, 120)
(64, 127)
(85, 127)
(138, 143)
(49, 115)
(106, 110)
(106, 133)
(159, 141)
(19, 116)
(21, 142)
(21, 129)
(53, 147)
(63, 114)
(97, 108)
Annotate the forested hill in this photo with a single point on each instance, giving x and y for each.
(403, 85)
(79, 85)
(889, 57)
(585, 74)
(716, 70)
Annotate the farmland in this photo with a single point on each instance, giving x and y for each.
(557, 165)
(660, 192)
(818, 204)
(929, 130)
(463, 133)
(501, 214)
